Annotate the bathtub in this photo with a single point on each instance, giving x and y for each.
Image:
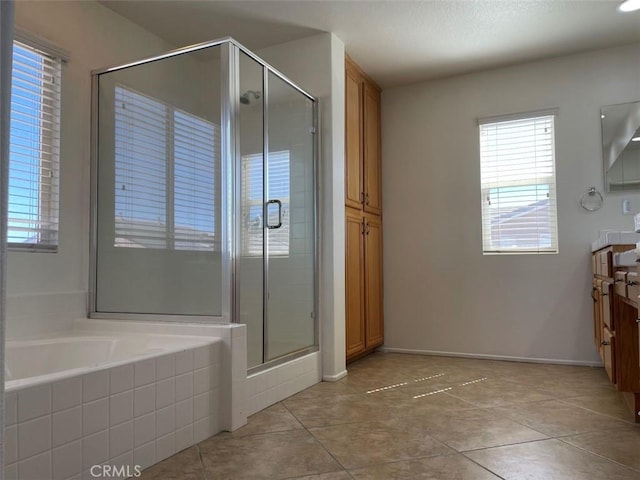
(79, 402)
(32, 362)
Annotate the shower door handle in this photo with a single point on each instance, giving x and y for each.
(279, 204)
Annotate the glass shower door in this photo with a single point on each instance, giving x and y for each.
(289, 225)
(275, 262)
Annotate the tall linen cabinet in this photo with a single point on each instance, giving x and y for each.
(363, 202)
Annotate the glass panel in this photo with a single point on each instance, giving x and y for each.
(159, 214)
(290, 220)
(250, 259)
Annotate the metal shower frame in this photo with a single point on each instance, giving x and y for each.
(230, 192)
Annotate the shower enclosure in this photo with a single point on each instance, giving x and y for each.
(204, 196)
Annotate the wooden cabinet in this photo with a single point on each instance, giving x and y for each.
(355, 284)
(374, 334)
(616, 326)
(371, 164)
(362, 156)
(354, 149)
(608, 353)
(365, 328)
(363, 201)
(597, 321)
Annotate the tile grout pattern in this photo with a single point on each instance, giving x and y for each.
(410, 416)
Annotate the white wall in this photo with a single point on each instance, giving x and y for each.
(45, 291)
(441, 293)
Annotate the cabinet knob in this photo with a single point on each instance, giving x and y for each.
(632, 283)
(361, 197)
(366, 199)
(637, 320)
(604, 343)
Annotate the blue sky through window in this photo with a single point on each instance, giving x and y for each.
(25, 136)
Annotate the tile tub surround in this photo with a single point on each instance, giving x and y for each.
(134, 414)
(433, 418)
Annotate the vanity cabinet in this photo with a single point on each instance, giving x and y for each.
(363, 205)
(616, 327)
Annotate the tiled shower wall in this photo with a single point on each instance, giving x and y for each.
(134, 414)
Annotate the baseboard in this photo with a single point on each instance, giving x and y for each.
(483, 356)
(334, 378)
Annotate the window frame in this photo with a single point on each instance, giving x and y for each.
(536, 180)
(49, 102)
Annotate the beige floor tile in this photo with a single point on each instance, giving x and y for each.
(417, 401)
(275, 418)
(621, 445)
(266, 456)
(404, 430)
(342, 475)
(471, 429)
(495, 392)
(556, 418)
(185, 465)
(549, 460)
(446, 467)
(324, 389)
(317, 412)
(610, 403)
(567, 383)
(361, 444)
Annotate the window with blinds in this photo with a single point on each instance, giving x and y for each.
(34, 146)
(253, 203)
(166, 172)
(517, 163)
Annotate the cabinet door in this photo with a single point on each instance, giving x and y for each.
(608, 354)
(354, 284)
(373, 282)
(354, 190)
(372, 164)
(597, 324)
(607, 301)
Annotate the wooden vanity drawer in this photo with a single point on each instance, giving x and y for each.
(605, 262)
(620, 281)
(633, 288)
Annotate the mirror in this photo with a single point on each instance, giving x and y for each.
(621, 146)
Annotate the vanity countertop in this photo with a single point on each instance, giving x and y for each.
(615, 238)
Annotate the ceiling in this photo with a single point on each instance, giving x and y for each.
(400, 42)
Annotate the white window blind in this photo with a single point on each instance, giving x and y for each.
(141, 171)
(34, 160)
(196, 155)
(166, 172)
(517, 163)
(253, 205)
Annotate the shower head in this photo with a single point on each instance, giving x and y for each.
(244, 98)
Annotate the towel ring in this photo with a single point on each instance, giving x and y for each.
(591, 200)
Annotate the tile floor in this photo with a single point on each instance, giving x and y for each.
(418, 417)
